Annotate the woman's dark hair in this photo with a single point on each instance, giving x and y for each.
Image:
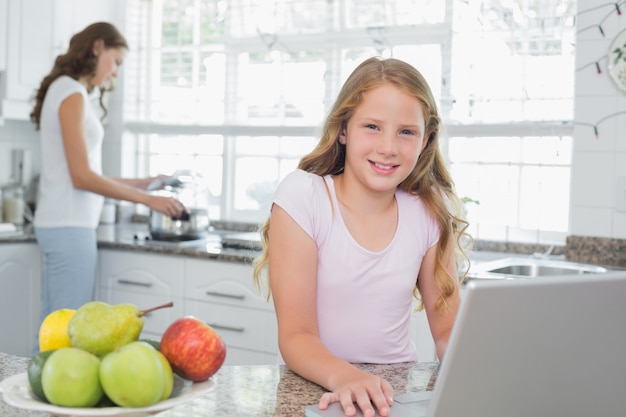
(79, 61)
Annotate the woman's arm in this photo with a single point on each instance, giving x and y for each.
(71, 116)
(293, 271)
(440, 322)
(141, 183)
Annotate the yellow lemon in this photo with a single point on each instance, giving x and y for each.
(53, 332)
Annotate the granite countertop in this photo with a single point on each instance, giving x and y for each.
(132, 236)
(263, 390)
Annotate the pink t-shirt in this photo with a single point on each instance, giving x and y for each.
(364, 298)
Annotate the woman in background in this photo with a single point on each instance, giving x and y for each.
(72, 188)
(368, 221)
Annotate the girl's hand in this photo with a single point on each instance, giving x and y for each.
(369, 392)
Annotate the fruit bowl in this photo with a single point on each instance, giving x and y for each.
(16, 392)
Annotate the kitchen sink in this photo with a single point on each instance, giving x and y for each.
(519, 267)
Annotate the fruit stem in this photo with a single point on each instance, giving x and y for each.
(144, 312)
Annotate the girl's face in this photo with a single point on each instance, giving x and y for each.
(109, 61)
(384, 138)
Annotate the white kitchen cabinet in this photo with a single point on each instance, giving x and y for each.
(20, 297)
(36, 33)
(4, 7)
(422, 337)
(30, 53)
(217, 292)
(145, 280)
(222, 294)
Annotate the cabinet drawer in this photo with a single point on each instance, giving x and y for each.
(224, 283)
(144, 273)
(239, 357)
(155, 322)
(250, 329)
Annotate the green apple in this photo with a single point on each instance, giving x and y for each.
(133, 375)
(70, 378)
(168, 374)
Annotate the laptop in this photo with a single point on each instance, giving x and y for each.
(547, 346)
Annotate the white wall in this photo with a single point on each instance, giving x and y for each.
(597, 162)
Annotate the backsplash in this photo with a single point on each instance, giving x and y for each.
(596, 250)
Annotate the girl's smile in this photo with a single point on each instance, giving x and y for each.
(384, 138)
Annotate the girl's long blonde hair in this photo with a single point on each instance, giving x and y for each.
(430, 179)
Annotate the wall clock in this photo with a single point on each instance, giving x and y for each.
(617, 60)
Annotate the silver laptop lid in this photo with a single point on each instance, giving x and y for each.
(537, 347)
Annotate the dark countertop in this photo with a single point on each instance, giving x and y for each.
(265, 390)
(132, 236)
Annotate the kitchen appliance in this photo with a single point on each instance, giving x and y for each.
(190, 188)
(14, 208)
(242, 240)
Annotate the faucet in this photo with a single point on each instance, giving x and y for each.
(545, 254)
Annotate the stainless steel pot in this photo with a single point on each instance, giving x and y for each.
(188, 187)
(188, 226)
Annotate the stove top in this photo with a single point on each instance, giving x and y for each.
(228, 240)
(243, 240)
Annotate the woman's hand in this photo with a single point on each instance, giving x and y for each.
(166, 205)
(369, 392)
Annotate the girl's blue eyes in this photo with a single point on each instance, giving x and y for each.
(403, 132)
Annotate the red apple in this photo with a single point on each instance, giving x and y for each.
(193, 348)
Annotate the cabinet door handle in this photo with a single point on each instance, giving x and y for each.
(226, 295)
(229, 328)
(136, 283)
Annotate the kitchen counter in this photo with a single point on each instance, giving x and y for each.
(269, 390)
(132, 236)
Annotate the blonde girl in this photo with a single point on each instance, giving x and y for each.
(369, 220)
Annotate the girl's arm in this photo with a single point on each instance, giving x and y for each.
(71, 116)
(440, 322)
(293, 282)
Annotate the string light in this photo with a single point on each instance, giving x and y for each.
(614, 9)
(595, 126)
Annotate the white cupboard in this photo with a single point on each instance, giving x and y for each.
(217, 292)
(30, 52)
(36, 33)
(422, 337)
(145, 280)
(222, 294)
(3, 39)
(20, 293)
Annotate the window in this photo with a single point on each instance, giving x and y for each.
(238, 89)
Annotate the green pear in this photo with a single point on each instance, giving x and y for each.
(101, 328)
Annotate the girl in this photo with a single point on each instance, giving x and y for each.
(72, 187)
(369, 220)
